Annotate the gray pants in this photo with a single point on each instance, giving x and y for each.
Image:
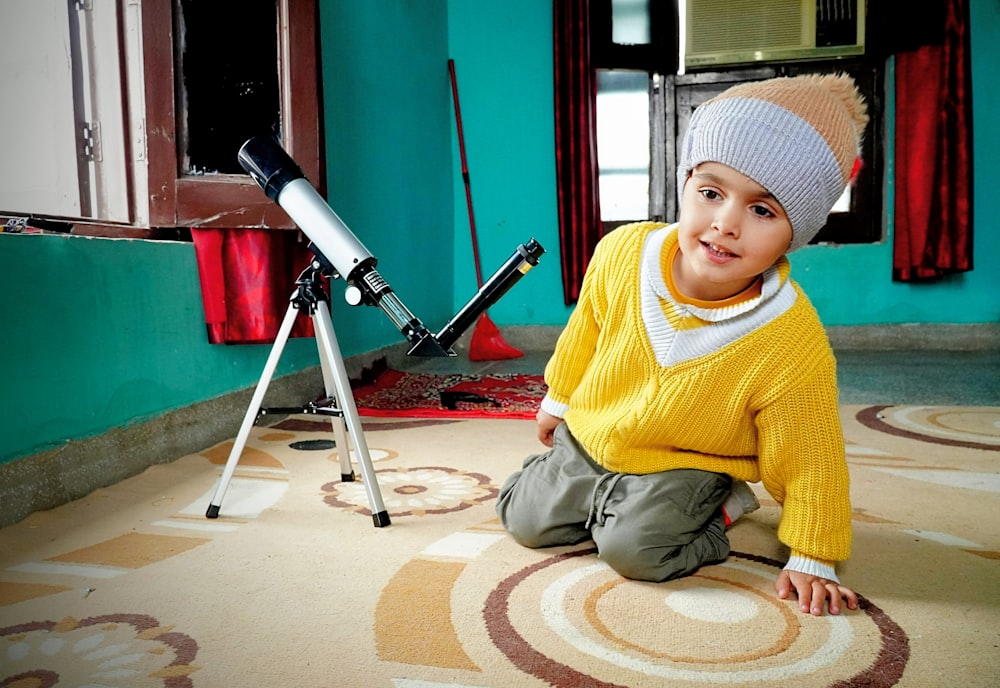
(650, 527)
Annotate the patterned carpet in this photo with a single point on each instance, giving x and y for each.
(396, 394)
(293, 586)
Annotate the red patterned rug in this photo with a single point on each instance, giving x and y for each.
(398, 394)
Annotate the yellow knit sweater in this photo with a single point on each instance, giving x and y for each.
(647, 382)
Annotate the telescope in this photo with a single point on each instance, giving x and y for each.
(343, 254)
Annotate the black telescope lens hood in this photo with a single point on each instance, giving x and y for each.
(268, 164)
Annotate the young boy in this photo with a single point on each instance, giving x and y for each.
(692, 363)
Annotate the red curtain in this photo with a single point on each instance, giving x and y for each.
(247, 278)
(933, 180)
(576, 142)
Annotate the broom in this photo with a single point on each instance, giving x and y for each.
(487, 344)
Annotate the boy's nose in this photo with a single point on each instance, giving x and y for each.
(726, 222)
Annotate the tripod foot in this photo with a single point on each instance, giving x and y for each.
(347, 477)
(213, 511)
(381, 519)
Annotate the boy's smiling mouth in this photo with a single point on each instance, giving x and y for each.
(716, 253)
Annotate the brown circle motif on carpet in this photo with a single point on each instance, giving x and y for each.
(956, 426)
(415, 491)
(722, 625)
(126, 650)
(476, 599)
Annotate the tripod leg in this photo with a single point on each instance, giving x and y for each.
(345, 400)
(339, 428)
(251, 416)
(343, 449)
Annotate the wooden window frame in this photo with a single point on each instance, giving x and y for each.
(228, 200)
(175, 202)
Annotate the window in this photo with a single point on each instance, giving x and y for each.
(623, 144)
(239, 95)
(640, 81)
(61, 73)
(144, 120)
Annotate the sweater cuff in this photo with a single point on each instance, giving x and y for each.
(553, 407)
(812, 567)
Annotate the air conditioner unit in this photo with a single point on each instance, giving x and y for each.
(739, 32)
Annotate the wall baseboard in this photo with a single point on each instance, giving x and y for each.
(78, 467)
(917, 337)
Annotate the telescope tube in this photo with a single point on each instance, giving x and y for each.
(283, 182)
(336, 247)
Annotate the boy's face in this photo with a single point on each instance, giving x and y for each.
(731, 230)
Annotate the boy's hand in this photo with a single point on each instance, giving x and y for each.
(813, 592)
(546, 426)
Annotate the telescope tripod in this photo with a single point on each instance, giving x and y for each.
(311, 297)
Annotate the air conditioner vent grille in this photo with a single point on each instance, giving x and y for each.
(732, 25)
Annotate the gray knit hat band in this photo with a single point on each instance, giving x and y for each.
(773, 146)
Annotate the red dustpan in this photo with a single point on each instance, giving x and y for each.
(487, 343)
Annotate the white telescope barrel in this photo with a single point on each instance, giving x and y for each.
(323, 226)
(283, 182)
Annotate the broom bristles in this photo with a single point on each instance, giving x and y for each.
(487, 344)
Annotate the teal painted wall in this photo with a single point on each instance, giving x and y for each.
(503, 61)
(385, 85)
(99, 333)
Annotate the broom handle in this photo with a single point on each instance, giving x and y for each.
(465, 172)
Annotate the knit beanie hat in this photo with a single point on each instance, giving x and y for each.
(798, 137)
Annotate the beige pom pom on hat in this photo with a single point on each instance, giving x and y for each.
(798, 137)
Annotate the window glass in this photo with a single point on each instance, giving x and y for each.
(623, 144)
(630, 22)
(229, 57)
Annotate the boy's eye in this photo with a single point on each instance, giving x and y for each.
(762, 211)
(710, 194)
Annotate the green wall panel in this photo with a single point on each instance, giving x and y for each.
(385, 88)
(503, 60)
(100, 333)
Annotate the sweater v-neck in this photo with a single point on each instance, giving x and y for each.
(716, 324)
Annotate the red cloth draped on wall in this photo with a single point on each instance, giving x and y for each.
(247, 278)
(933, 179)
(576, 142)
